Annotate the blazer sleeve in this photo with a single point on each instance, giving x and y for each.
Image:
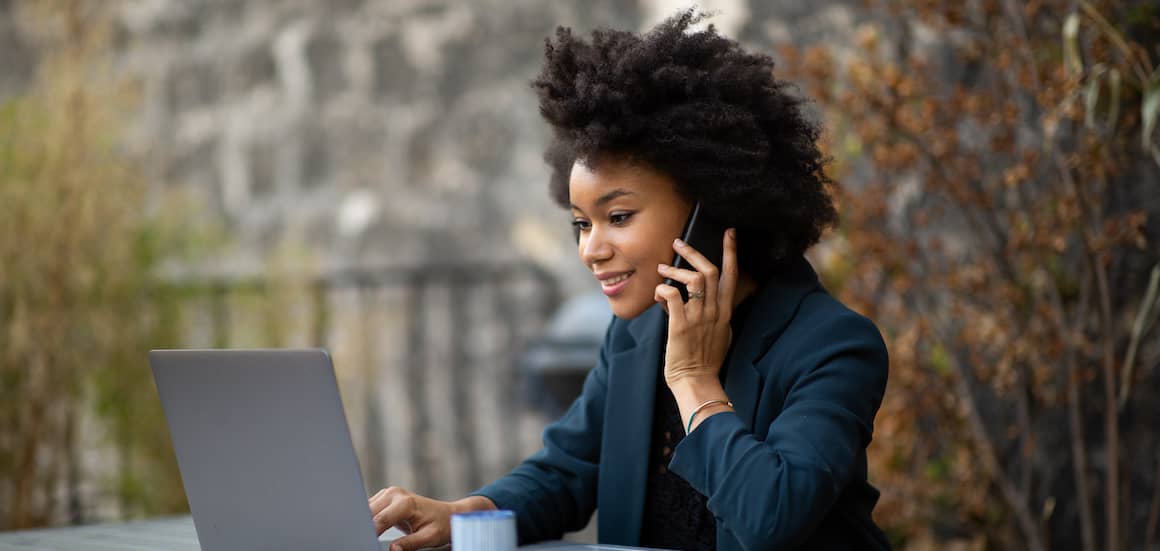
(554, 490)
(771, 493)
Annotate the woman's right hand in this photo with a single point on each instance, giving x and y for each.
(426, 521)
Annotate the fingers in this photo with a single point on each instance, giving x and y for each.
(728, 283)
(399, 513)
(704, 268)
(378, 502)
(671, 297)
(694, 281)
(430, 535)
(695, 308)
(390, 507)
(425, 521)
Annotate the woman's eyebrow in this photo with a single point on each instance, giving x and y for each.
(618, 192)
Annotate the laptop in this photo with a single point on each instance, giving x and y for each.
(264, 450)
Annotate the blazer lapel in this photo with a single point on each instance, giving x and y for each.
(742, 381)
(774, 306)
(627, 423)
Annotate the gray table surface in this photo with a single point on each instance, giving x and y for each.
(171, 534)
(175, 534)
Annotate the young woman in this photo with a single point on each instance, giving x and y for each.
(740, 418)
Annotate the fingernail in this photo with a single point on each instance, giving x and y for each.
(732, 233)
(662, 267)
(396, 548)
(678, 242)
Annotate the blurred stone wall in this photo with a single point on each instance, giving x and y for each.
(376, 132)
(371, 132)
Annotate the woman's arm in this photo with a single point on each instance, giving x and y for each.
(772, 492)
(552, 492)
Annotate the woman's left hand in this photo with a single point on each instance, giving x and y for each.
(699, 330)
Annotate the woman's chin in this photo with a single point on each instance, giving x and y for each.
(626, 309)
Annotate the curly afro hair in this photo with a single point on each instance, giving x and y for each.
(699, 108)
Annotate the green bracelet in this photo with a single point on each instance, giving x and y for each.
(706, 403)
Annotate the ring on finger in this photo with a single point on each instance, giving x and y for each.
(698, 294)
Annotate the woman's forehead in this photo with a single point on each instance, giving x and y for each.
(592, 183)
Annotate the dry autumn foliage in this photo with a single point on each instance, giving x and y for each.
(999, 223)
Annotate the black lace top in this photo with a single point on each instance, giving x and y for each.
(675, 515)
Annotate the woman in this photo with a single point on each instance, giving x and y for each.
(738, 419)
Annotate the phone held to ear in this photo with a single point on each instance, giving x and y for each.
(705, 235)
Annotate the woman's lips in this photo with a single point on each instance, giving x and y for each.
(618, 284)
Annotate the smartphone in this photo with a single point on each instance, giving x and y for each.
(704, 234)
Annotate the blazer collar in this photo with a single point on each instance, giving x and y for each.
(778, 299)
(774, 305)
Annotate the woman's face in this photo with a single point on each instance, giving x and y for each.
(628, 216)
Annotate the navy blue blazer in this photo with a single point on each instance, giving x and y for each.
(786, 469)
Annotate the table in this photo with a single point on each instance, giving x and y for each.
(167, 534)
(176, 534)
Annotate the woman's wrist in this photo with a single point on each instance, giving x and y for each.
(704, 392)
(690, 391)
(700, 416)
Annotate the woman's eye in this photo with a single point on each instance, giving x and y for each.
(620, 218)
(579, 225)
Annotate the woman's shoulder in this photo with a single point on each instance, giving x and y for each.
(797, 309)
(820, 309)
(823, 328)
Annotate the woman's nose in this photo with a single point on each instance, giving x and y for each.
(594, 247)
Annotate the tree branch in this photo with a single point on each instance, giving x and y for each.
(1138, 331)
(1111, 425)
(1015, 499)
(1074, 410)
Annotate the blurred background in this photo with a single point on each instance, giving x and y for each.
(365, 175)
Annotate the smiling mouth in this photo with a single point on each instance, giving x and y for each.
(615, 280)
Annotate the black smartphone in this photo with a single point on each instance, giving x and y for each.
(704, 234)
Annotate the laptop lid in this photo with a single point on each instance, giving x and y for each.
(264, 449)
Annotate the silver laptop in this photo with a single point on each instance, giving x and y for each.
(264, 450)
